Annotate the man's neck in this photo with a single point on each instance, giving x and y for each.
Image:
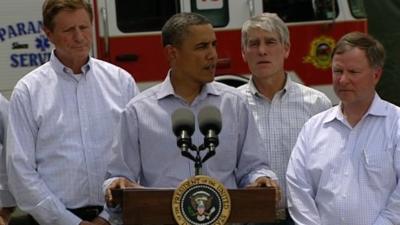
(268, 87)
(186, 89)
(355, 112)
(75, 64)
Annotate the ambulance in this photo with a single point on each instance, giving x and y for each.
(127, 34)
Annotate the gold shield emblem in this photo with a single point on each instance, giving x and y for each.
(320, 52)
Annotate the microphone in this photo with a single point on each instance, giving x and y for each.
(183, 127)
(210, 124)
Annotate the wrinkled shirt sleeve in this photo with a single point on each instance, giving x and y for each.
(30, 191)
(391, 213)
(126, 158)
(253, 160)
(6, 199)
(300, 191)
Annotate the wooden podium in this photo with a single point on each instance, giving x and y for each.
(154, 206)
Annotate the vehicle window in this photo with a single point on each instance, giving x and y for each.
(149, 15)
(215, 10)
(357, 8)
(302, 10)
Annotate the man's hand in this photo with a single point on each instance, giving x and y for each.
(119, 183)
(5, 214)
(86, 223)
(267, 182)
(100, 221)
(96, 221)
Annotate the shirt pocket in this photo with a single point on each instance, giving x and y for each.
(379, 166)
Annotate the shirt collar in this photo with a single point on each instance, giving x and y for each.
(377, 108)
(166, 88)
(288, 84)
(62, 69)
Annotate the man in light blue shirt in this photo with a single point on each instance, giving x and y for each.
(7, 202)
(62, 116)
(279, 105)
(345, 166)
(145, 150)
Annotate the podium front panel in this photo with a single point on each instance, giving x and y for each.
(154, 206)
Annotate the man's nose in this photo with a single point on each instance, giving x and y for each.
(78, 34)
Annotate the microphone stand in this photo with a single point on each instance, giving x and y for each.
(198, 161)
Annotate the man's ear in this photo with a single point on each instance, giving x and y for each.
(377, 74)
(287, 50)
(48, 33)
(170, 52)
(243, 54)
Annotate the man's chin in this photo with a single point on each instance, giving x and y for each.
(346, 98)
(209, 76)
(210, 79)
(81, 54)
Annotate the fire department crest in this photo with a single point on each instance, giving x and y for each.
(201, 200)
(320, 52)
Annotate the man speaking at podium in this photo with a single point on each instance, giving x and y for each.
(145, 149)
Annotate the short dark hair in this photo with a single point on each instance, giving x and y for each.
(176, 27)
(51, 8)
(373, 49)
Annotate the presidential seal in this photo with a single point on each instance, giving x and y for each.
(201, 200)
(320, 52)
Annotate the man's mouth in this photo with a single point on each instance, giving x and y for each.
(210, 67)
(263, 62)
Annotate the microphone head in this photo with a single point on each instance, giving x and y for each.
(210, 119)
(182, 119)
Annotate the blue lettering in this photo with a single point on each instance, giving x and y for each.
(44, 57)
(33, 60)
(11, 32)
(14, 60)
(40, 25)
(2, 34)
(29, 59)
(21, 28)
(32, 29)
(23, 58)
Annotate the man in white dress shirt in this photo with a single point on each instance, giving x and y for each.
(345, 166)
(62, 117)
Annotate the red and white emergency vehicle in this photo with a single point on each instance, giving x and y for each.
(127, 33)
